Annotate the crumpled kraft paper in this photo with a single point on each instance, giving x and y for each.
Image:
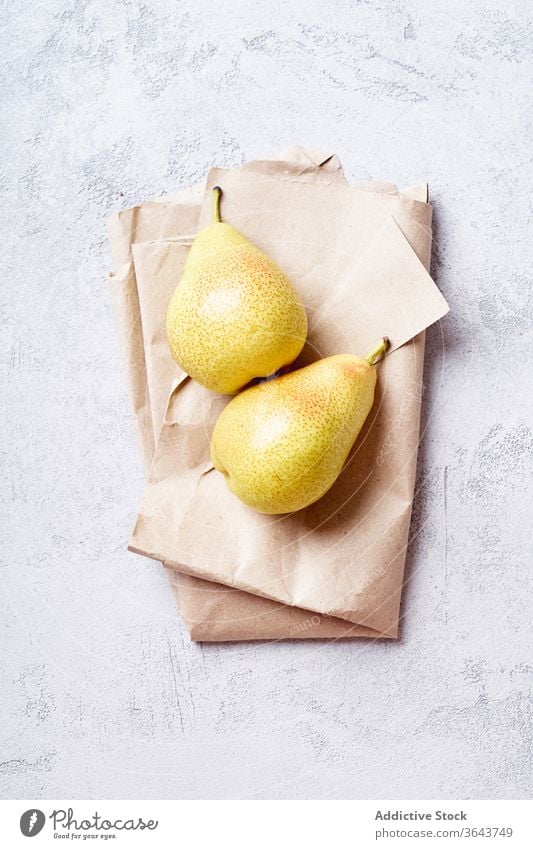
(378, 278)
(211, 611)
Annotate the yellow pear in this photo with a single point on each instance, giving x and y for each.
(234, 316)
(282, 444)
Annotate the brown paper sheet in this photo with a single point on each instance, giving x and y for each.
(211, 611)
(365, 273)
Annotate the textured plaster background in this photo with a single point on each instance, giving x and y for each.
(102, 693)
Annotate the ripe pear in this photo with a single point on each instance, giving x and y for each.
(282, 444)
(234, 316)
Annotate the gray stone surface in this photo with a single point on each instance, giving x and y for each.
(102, 693)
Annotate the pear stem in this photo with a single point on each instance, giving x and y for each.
(378, 351)
(215, 204)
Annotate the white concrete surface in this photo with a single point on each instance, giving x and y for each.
(102, 694)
